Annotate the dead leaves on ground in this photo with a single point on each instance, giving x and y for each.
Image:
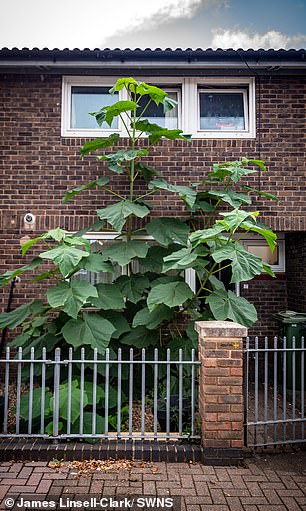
(88, 467)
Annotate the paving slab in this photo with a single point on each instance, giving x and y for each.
(264, 483)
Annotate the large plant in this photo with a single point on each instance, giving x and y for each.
(153, 305)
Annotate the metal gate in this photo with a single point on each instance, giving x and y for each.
(84, 395)
(274, 386)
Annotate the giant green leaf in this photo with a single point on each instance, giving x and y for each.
(119, 321)
(202, 236)
(17, 316)
(169, 104)
(28, 244)
(226, 305)
(154, 258)
(232, 169)
(133, 286)
(57, 234)
(245, 265)
(109, 297)
(100, 390)
(156, 132)
(115, 160)
(66, 257)
(146, 171)
(140, 337)
(92, 329)
(166, 279)
(171, 294)
(117, 213)
(261, 192)
(235, 218)
(102, 181)
(265, 232)
(123, 253)
(187, 194)
(155, 93)
(87, 425)
(36, 403)
(168, 230)
(75, 400)
(107, 113)
(71, 296)
(88, 387)
(152, 320)
(11, 274)
(97, 264)
(180, 260)
(233, 198)
(130, 83)
(99, 143)
(237, 172)
(259, 163)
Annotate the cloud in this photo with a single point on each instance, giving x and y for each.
(224, 38)
(73, 23)
(144, 15)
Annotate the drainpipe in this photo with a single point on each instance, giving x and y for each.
(8, 308)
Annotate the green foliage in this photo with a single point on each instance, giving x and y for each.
(226, 305)
(151, 293)
(75, 191)
(71, 296)
(168, 230)
(132, 287)
(171, 294)
(109, 297)
(17, 316)
(187, 194)
(65, 257)
(91, 329)
(123, 253)
(117, 213)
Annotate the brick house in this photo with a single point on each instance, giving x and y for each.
(45, 96)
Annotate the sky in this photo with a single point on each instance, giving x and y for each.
(153, 24)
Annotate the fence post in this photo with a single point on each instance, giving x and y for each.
(57, 369)
(221, 390)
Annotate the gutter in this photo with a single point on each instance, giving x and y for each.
(182, 64)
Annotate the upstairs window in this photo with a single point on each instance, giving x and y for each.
(155, 113)
(207, 107)
(82, 95)
(223, 110)
(89, 99)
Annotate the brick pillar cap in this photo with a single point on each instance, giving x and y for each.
(215, 329)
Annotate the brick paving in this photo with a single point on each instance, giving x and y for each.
(265, 483)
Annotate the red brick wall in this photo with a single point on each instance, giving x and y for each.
(38, 165)
(269, 297)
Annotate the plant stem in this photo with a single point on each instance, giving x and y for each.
(114, 193)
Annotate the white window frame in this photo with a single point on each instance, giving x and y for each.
(188, 103)
(85, 81)
(225, 91)
(277, 268)
(190, 276)
(171, 84)
(222, 84)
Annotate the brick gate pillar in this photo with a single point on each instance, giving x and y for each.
(221, 390)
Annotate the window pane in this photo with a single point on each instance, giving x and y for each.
(222, 111)
(264, 252)
(90, 99)
(155, 113)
